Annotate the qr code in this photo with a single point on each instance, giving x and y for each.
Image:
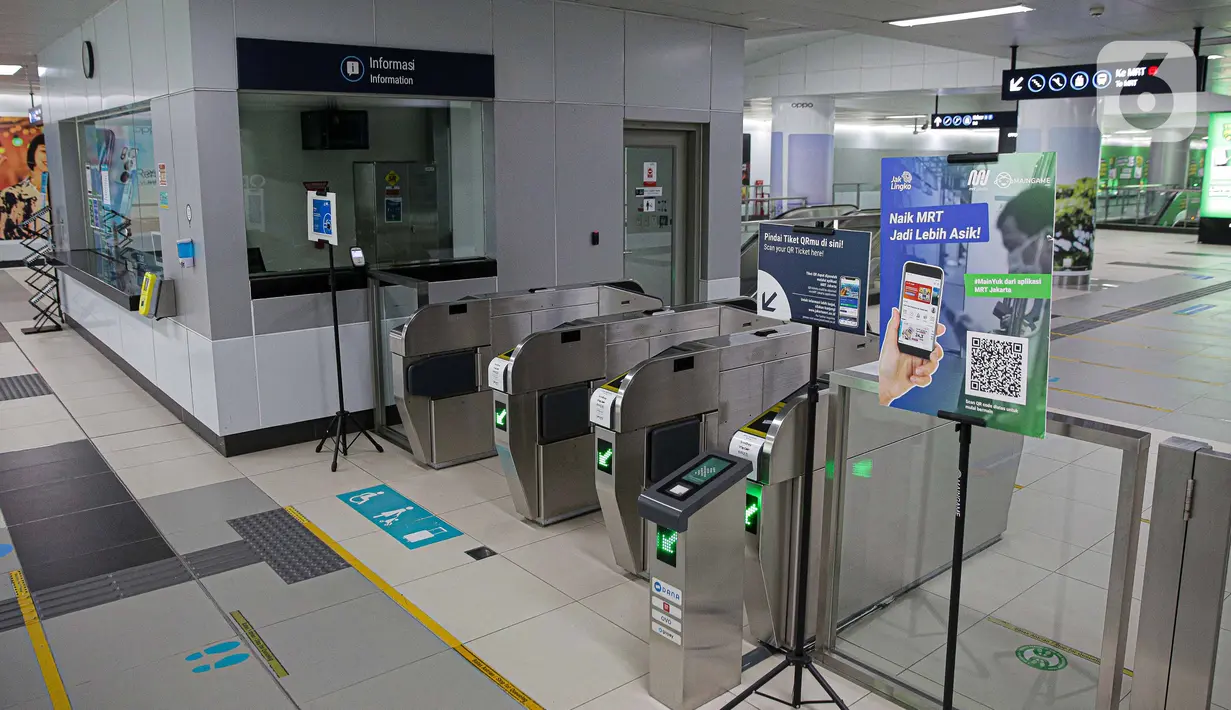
(996, 366)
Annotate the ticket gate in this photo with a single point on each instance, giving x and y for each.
(439, 355)
(696, 606)
(773, 443)
(689, 398)
(542, 391)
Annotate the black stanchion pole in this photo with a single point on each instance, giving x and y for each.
(797, 658)
(964, 425)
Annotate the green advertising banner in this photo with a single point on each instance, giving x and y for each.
(1216, 189)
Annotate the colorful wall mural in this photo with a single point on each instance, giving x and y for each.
(23, 173)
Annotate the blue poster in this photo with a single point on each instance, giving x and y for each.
(814, 276)
(966, 258)
(413, 525)
(322, 217)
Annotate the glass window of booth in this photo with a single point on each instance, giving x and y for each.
(121, 188)
(411, 177)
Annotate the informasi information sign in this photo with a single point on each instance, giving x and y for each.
(966, 262)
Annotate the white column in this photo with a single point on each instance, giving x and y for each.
(1069, 128)
(801, 148)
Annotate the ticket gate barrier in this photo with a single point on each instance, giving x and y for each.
(696, 604)
(774, 443)
(542, 390)
(439, 356)
(689, 398)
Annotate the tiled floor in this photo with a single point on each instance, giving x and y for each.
(141, 498)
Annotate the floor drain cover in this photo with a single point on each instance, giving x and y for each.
(482, 553)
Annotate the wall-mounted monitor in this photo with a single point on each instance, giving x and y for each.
(334, 130)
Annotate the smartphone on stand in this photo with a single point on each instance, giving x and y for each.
(919, 309)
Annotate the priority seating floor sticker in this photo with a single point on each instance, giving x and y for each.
(413, 525)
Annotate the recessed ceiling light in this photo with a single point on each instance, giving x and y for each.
(42, 71)
(9, 69)
(956, 17)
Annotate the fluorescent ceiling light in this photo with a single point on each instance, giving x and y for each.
(956, 17)
(1215, 56)
(9, 69)
(42, 71)
(913, 115)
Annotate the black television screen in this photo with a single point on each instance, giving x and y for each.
(334, 130)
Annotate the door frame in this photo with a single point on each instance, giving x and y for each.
(691, 187)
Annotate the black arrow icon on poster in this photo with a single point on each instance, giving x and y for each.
(767, 301)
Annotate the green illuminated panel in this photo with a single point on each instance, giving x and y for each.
(604, 453)
(862, 468)
(1216, 188)
(752, 509)
(502, 416)
(665, 549)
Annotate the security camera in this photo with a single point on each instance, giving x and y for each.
(1097, 10)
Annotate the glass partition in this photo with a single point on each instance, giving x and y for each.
(1165, 206)
(411, 177)
(1048, 606)
(121, 187)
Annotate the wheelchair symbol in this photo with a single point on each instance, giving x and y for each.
(365, 497)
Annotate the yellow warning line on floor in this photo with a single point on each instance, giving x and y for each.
(1052, 642)
(266, 652)
(38, 639)
(452, 641)
(1135, 370)
(1110, 399)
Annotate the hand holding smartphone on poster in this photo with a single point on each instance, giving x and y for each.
(909, 352)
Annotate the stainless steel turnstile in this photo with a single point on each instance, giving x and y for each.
(1185, 579)
(439, 356)
(695, 600)
(542, 391)
(676, 404)
(774, 444)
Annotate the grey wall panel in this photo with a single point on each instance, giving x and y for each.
(69, 80)
(589, 186)
(178, 34)
(164, 152)
(721, 236)
(306, 20)
(727, 69)
(149, 48)
(279, 315)
(589, 54)
(666, 62)
(525, 185)
(213, 42)
(191, 291)
(453, 26)
(222, 213)
(112, 56)
(524, 44)
(670, 115)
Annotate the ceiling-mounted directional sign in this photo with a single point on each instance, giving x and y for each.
(1082, 80)
(998, 119)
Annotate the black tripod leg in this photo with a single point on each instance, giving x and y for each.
(367, 436)
(750, 690)
(828, 688)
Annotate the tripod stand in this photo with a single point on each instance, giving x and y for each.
(337, 426)
(797, 658)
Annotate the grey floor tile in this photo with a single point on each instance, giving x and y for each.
(264, 599)
(442, 682)
(96, 643)
(8, 559)
(170, 682)
(43, 703)
(201, 538)
(199, 507)
(20, 677)
(336, 647)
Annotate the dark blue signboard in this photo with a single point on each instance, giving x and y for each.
(276, 65)
(814, 276)
(1082, 80)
